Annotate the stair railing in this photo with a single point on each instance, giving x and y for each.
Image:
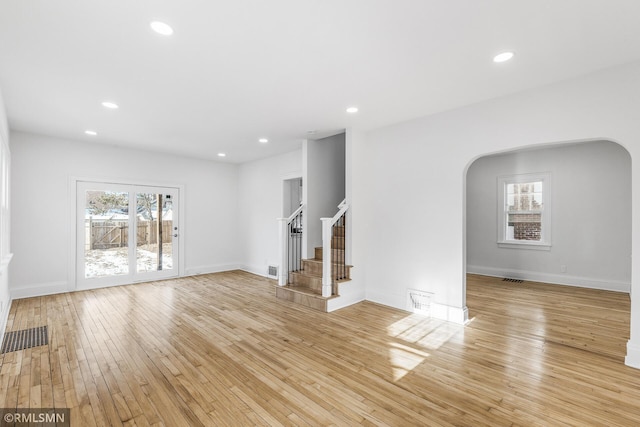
(334, 250)
(290, 245)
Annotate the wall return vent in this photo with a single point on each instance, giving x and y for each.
(273, 271)
(419, 302)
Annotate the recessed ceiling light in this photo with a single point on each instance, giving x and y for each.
(161, 28)
(502, 57)
(352, 110)
(110, 105)
(91, 132)
(263, 140)
(221, 155)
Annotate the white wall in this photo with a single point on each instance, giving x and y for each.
(5, 257)
(292, 196)
(4, 127)
(41, 216)
(416, 181)
(355, 164)
(324, 182)
(590, 214)
(261, 189)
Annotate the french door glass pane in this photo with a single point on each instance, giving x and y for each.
(154, 232)
(106, 233)
(125, 233)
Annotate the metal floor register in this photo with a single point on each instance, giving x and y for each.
(26, 338)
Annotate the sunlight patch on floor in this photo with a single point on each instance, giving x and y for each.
(418, 332)
(427, 332)
(404, 359)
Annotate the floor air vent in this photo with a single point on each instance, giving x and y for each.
(512, 280)
(419, 301)
(273, 271)
(25, 338)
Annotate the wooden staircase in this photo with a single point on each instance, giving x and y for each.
(305, 285)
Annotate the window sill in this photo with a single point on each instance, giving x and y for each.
(536, 246)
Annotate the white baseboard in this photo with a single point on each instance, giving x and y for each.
(42, 289)
(342, 302)
(388, 300)
(556, 279)
(257, 270)
(207, 269)
(439, 311)
(633, 355)
(39, 290)
(459, 315)
(350, 293)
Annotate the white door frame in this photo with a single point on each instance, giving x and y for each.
(135, 186)
(305, 221)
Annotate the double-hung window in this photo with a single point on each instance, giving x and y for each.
(524, 214)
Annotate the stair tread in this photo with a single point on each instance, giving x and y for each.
(319, 261)
(308, 291)
(307, 273)
(312, 275)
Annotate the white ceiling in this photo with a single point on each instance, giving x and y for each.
(238, 70)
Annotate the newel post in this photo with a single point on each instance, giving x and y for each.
(326, 257)
(283, 232)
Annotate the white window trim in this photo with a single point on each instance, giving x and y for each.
(544, 244)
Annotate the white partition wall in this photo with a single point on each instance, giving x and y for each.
(5, 218)
(422, 164)
(261, 193)
(324, 182)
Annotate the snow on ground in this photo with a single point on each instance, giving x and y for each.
(111, 262)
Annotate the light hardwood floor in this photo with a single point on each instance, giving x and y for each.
(220, 349)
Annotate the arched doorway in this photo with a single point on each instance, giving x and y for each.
(584, 205)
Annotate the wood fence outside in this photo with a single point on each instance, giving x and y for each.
(115, 234)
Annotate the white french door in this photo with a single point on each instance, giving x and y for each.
(125, 233)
